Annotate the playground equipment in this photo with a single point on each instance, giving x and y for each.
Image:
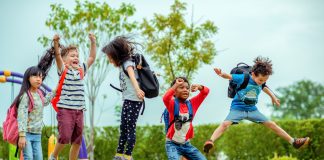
(13, 77)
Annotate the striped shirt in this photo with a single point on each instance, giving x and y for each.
(72, 95)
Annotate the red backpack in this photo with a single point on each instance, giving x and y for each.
(59, 87)
(10, 125)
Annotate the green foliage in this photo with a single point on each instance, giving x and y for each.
(178, 48)
(302, 100)
(243, 141)
(283, 157)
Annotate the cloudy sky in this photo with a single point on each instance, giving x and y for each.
(290, 33)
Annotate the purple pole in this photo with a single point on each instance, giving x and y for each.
(83, 150)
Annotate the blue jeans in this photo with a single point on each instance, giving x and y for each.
(174, 151)
(33, 148)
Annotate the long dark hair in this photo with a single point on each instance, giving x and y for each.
(47, 60)
(42, 69)
(120, 49)
(25, 85)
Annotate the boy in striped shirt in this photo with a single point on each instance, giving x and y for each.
(70, 96)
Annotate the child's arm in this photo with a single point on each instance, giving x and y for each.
(93, 48)
(131, 74)
(22, 118)
(197, 100)
(58, 58)
(274, 99)
(167, 98)
(222, 74)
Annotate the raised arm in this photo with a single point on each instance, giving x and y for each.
(58, 58)
(219, 72)
(273, 97)
(93, 49)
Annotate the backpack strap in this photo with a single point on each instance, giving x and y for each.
(59, 90)
(81, 72)
(41, 95)
(177, 109)
(245, 82)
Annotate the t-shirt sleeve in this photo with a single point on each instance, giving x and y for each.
(238, 78)
(128, 63)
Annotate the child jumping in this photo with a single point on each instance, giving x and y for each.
(180, 129)
(244, 103)
(71, 101)
(119, 52)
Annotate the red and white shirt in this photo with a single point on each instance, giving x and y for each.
(187, 130)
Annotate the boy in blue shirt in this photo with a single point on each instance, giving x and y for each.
(244, 103)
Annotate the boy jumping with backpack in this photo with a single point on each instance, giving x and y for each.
(181, 113)
(245, 98)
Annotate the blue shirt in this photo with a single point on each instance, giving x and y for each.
(250, 93)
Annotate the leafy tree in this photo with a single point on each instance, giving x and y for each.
(177, 47)
(102, 20)
(301, 100)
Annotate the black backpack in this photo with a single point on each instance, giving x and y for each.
(147, 79)
(241, 68)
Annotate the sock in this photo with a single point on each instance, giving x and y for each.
(119, 155)
(292, 141)
(127, 157)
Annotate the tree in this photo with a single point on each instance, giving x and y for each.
(100, 19)
(178, 48)
(301, 100)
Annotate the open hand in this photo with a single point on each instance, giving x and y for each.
(276, 101)
(140, 94)
(218, 71)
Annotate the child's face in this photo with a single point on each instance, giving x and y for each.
(36, 81)
(72, 59)
(182, 92)
(260, 79)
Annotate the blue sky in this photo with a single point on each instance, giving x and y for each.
(290, 33)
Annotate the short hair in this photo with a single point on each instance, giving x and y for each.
(184, 79)
(66, 50)
(263, 66)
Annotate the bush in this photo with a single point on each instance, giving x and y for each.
(243, 141)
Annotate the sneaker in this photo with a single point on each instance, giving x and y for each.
(300, 142)
(208, 145)
(119, 158)
(51, 157)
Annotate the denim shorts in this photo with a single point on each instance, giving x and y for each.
(236, 116)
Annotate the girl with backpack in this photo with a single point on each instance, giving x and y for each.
(119, 52)
(30, 102)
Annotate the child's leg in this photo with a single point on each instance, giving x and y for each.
(58, 148)
(279, 131)
(172, 150)
(122, 129)
(134, 109)
(76, 138)
(191, 152)
(74, 151)
(28, 150)
(37, 147)
(220, 130)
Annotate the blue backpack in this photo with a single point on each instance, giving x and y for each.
(166, 114)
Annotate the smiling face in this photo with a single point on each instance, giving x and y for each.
(72, 58)
(260, 79)
(182, 92)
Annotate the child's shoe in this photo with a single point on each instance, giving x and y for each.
(300, 142)
(127, 157)
(51, 157)
(119, 156)
(208, 145)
